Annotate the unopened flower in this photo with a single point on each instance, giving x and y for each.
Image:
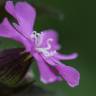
(42, 46)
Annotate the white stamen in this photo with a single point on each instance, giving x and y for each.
(48, 43)
(38, 41)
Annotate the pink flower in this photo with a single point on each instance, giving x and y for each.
(42, 46)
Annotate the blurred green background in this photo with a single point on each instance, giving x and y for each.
(75, 22)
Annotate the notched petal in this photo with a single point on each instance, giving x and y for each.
(24, 13)
(70, 75)
(46, 75)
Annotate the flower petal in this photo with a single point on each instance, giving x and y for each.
(66, 57)
(52, 61)
(70, 74)
(25, 15)
(6, 30)
(49, 60)
(46, 75)
(47, 36)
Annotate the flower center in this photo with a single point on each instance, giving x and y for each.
(38, 37)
